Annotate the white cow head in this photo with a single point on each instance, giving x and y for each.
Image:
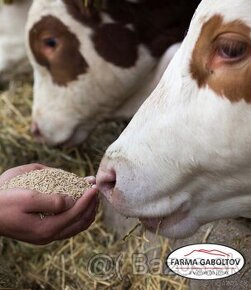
(88, 62)
(185, 158)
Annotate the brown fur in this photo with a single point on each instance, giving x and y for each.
(65, 63)
(231, 80)
(156, 23)
(123, 52)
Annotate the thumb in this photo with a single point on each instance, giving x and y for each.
(55, 203)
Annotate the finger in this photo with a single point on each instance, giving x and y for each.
(31, 229)
(53, 204)
(13, 172)
(92, 207)
(80, 225)
(59, 227)
(31, 201)
(58, 203)
(90, 179)
(77, 228)
(55, 224)
(46, 235)
(85, 201)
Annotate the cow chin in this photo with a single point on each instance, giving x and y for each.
(164, 220)
(79, 135)
(177, 225)
(63, 135)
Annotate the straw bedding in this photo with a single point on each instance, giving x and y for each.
(64, 264)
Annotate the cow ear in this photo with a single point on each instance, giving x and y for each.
(85, 11)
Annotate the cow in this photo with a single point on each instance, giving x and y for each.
(12, 48)
(99, 61)
(185, 158)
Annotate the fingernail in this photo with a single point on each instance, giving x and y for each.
(69, 202)
(94, 186)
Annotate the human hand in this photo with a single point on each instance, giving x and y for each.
(19, 210)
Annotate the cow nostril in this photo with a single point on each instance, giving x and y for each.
(106, 182)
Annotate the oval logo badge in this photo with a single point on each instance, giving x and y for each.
(205, 261)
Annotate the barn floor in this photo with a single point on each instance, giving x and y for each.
(68, 264)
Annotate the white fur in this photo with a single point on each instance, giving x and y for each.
(12, 49)
(95, 96)
(186, 155)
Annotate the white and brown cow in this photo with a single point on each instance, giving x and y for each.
(185, 158)
(12, 45)
(97, 63)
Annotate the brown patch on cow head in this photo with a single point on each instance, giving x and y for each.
(57, 49)
(116, 44)
(221, 59)
(157, 24)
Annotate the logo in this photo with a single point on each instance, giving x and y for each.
(205, 261)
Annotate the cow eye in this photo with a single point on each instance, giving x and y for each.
(232, 49)
(50, 42)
